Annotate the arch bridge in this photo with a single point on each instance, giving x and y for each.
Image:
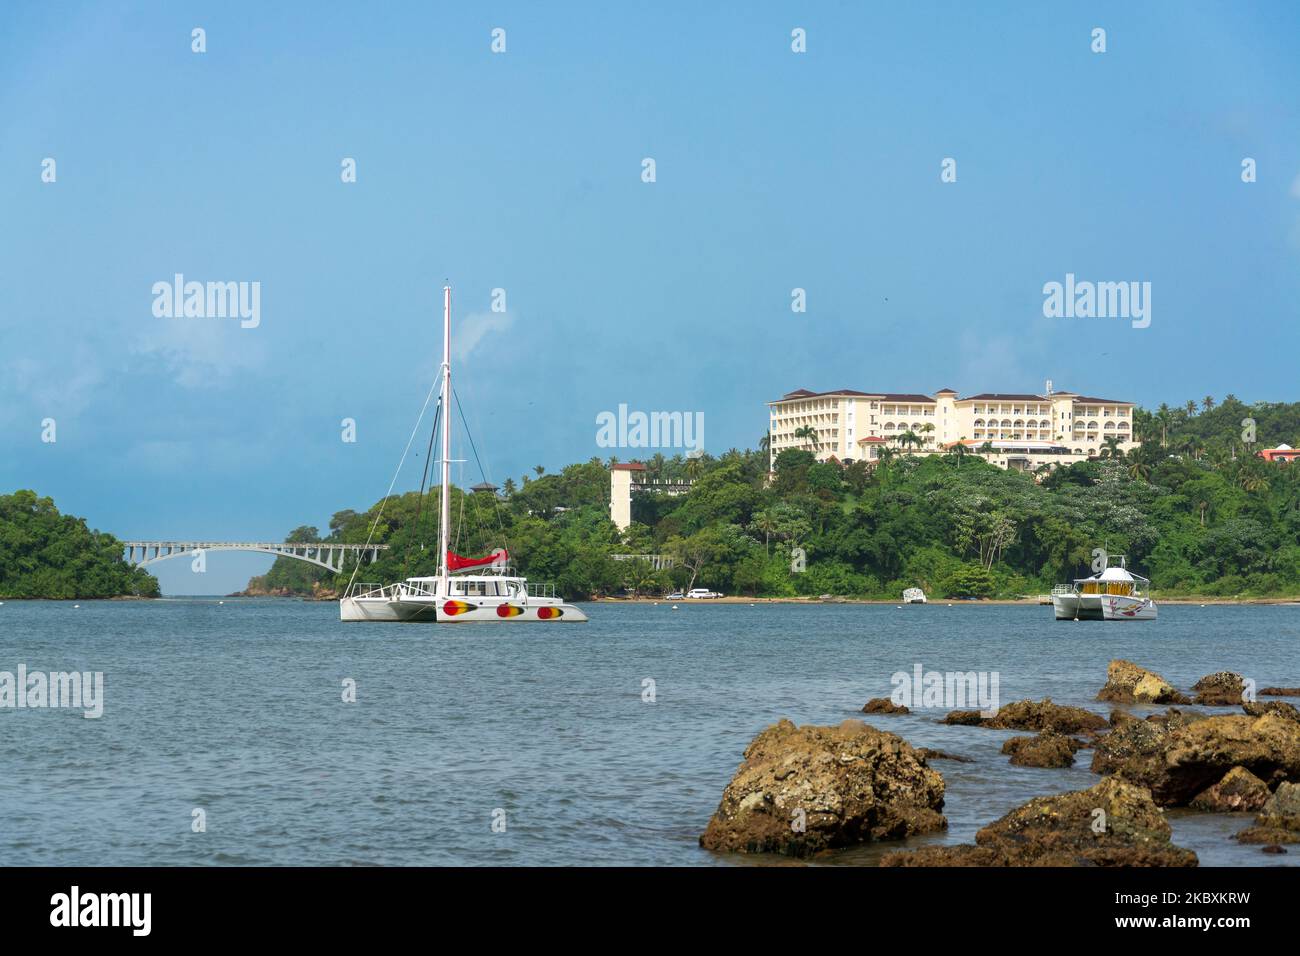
(325, 554)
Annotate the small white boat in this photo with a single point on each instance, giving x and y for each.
(1116, 594)
(913, 596)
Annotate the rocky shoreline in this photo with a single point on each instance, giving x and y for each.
(806, 791)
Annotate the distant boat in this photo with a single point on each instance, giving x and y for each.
(1116, 594)
(913, 596)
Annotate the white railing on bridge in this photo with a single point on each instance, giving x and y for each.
(325, 554)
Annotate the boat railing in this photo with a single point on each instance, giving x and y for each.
(368, 589)
(541, 590)
(417, 590)
(1063, 589)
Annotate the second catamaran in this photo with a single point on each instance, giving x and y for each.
(489, 592)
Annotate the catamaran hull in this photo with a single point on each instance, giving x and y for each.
(1102, 607)
(1078, 607)
(1123, 608)
(466, 612)
(366, 609)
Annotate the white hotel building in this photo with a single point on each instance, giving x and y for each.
(1015, 431)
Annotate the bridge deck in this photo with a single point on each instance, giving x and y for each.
(326, 554)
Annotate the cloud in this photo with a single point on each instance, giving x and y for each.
(64, 384)
(474, 328)
(201, 353)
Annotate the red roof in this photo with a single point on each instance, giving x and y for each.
(629, 466)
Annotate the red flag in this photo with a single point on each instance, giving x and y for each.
(456, 563)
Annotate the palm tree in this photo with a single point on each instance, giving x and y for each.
(540, 470)
(1207, 402)
(986, 448)
(508, 486)
(657, 462)
(693, 465)
(1111, 449)
(927, 429)
(909, 438)
(1191, 407)
(1252, 482)
(1163, 415)
(809, 433)
(1138, 469)
(766, 523)
(959, 451)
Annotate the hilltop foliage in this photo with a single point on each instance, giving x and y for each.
(44, 554)
(1193, 509)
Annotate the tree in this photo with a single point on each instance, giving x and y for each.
(696, 551)
(45, 554)
(809, 434)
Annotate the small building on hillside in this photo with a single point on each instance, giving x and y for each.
(1282, 453)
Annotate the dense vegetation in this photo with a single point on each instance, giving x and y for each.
(44, 554)
(1194, 509)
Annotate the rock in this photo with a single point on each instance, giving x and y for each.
(1120, 717)
(1178, 757)
(1033, 715)
(961, 855)
(1272, 836)
(931, 754)
(846, 785)
(1279, 692)
(1059, 831)
(1279, 707)
(1048, 749)
(1219, 690)
(1273, 849)
(1128, 683)
(883, 705)
(1178, 717)
(1279, 819)
(1282, 809)
(1238, 790)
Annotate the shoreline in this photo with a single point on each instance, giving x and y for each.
(882, 602)
(956, 602)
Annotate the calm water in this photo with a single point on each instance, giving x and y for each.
(237, 708)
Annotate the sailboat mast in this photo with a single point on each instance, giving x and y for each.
(444, 498)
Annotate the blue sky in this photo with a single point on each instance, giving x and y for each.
(522, 171)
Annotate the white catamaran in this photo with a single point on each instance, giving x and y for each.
(491, 592)
(1115, 594)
